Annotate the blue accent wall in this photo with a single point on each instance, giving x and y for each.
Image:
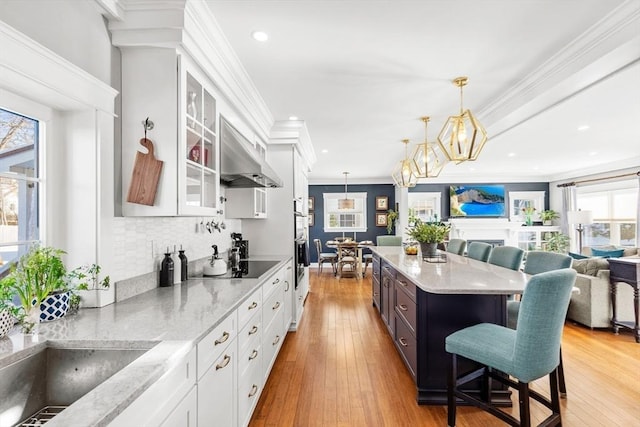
(372, 190)
(375, 190)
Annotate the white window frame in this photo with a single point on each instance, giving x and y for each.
(535, 199)
(361, 200)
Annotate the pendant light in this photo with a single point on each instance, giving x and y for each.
(428, 157)
(403, 174)
(462, 136)
(346, 203)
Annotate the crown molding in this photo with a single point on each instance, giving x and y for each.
(294, 132)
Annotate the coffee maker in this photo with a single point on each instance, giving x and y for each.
(242, 245)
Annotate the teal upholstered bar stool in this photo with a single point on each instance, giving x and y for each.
(389, 240)
(456, 246)
(539, 262)
(525, 354)
(479, 251)
(507, 257)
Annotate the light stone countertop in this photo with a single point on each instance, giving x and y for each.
(458, 275)
(169, 321)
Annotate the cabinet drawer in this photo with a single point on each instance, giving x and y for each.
(249, 307)
(212, 346)
(271, 342)
(273, 283)
(406, 344)
(272, 306)
(249, 389)
(251, 357)
(405, 308)
(407, 286)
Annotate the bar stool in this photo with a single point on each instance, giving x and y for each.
(479, 250)
(456, 246)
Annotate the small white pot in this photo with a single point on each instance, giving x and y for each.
(6, 322)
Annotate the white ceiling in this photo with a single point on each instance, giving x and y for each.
(362, 73)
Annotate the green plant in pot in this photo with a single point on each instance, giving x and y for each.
(548, 215)
(428, 234)
(8, 311)
(86, 280)
(392, 217)
(37, 275)
(557, 242)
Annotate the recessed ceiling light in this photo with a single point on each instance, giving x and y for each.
(260, 36)
(511, 154)
(593, 153)
(324, 151)
(583, 127)
(293, 117)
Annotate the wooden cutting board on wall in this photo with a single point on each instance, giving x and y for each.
(145, 177)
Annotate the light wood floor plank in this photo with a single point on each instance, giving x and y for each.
(341, 369)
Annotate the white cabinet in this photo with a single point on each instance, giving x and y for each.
(181, 103)
(246, 203)
(288, 295)
(535, 237)
(184, 415)
(162, 401)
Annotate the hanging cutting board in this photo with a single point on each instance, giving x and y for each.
(146, 173)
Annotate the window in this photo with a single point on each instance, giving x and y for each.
(345, 220)
(425, 206)
(19, 185)
(614, 213)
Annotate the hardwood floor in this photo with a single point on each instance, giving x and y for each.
(341, 369)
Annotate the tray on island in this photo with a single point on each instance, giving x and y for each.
(438, 258)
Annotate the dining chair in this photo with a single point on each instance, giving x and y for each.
(323, 257)
(456, 246)
(368, 259)
(479, 250)
(539, 262)
(347, 257)
(389, 240)
(519, 356)
(507, 257)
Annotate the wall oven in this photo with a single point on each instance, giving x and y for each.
(301, 249)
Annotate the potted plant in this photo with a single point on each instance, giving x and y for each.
(392, 217)
(8, 311)
(528, 212)
(428, 234)
(39, 281)
(548, 215)
(87, 286)
(557, 242)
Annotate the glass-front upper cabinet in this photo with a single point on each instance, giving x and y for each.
(200, 188)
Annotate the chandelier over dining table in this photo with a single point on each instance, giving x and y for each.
(461, 139)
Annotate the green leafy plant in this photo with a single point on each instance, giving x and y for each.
(557, 242)
(548, 215)
(6, 296)
(427, 232)
(392, 217)
(85, 278)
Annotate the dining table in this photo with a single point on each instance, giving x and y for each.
(358, 246)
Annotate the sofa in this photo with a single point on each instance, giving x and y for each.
(592, 305)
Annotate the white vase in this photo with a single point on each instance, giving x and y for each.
(6, 322)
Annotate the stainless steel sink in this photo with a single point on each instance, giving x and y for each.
(56, 377)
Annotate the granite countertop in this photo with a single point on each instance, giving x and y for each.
(169, 321)
(458, 275)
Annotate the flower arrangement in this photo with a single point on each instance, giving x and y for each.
(528, 212)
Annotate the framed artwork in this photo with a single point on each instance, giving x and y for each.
(310, 203)
(382, 203)
(518, 200)
(311, 219)
(381, 219)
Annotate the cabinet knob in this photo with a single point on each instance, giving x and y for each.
(253, 305)
(403, 342)
(403, 307)
(253, 355)
(223, 338)
(253, 330)
(254, 390)
(276, 340)
(224, 363)
(276, 306)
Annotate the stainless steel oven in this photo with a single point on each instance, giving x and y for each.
(301, 259)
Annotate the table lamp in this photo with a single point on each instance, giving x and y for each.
(581, 218)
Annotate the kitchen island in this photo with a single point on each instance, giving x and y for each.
(422, 302)
(171, 323)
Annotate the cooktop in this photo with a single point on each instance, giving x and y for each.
(249, 269)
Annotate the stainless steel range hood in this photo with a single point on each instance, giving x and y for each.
(240, 165)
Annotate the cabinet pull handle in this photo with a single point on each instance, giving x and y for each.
(403, 307)
(277, 306)
(277, 340)
(223, 338)
(275, 282)
(402, 283)
(254, 390)
(224, 363)
(402, 342)
(253, 305)
(286, 288)
(253, 330)
(375, 294)
(253, 355)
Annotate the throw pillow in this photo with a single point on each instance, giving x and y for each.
(577, 256)
(607, 254)
(590, 266)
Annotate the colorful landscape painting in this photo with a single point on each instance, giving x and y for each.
(476, 200)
